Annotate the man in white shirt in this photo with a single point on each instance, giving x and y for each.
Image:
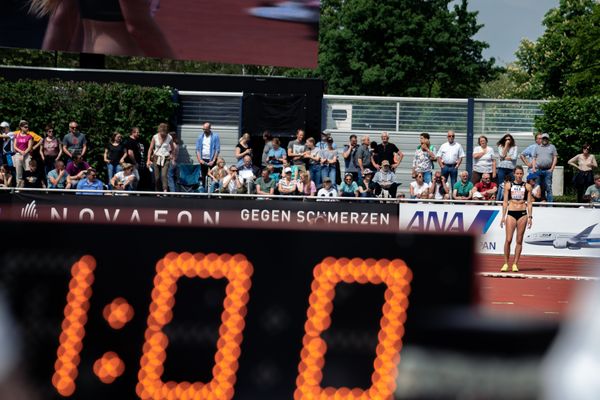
(450, 156)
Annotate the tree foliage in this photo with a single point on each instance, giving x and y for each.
(100, 109)
(411, 48)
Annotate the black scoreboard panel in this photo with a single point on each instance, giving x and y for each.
(157, 312)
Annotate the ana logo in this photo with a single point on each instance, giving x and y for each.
(29, 211)
(451, 222)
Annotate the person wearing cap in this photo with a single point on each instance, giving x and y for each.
(91, 182)
(385, 179)
(349, 187)
(386, 151)
(287, 185)
(536, 190)
(485, 189)
(366, 188)
(232, 183)
(328, 190)
(544, 161)
(328, 161)
(124, 179)
(449, 156)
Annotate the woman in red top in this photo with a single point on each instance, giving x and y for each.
(23, 147)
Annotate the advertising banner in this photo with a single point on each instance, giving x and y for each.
(570, 232)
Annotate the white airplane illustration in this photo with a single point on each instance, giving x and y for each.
(562, 240)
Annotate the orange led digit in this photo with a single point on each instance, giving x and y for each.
(73, 326)
(238, 271)
(397, 277)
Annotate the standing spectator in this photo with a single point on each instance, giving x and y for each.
(367, 187)
(363, 156)
(216, 174)
(265, 185)
(124, 179)
(74, 141)
(450, 156)
(312, 155)
(350, 158)
(305, 185)
(136, 149)
(328, 190)
(6, 149)
(6, 178)
(173, 165)
(114, 155)
(34, 177)
(232, 183)
(159, 157)
(277, 156)
(386, 151)
(322, 145)
(485, 189)
(585, 164)
(57, 178)
(287, 185)
(208, 147)
(545, 158)
(527, 154)
(593, 192)
(243, 149)
(507, 156)
(23, 147)
(439, 189)
(328, 161)
(424, 157)
(296, 149)
(50, 150)
(268, 139)
(91, 182)
(418, 186)
(484, 160)
(76, 171)
(462, 189)
(349, 188)
(385, 179)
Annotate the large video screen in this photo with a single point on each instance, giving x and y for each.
(281, 33)
(131, 311)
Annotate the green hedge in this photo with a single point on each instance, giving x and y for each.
(100, 109)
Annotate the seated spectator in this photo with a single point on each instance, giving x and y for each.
(276, 156)
(76, 171)
(536, 189)
(124, 179)
(463, 188)
(34, 178)
(306, 186)
(216, 174)
(90, 182)
(287, 185)
(485, 189)
(349, 188)
(439, 189)
(6, 177)
(418, 186)
(385, 179)
(367, 186)
(232, 183)
(276, 176)
(248, 172)
(265, 185)
(592, 193)
(328, 190)
(57, 178)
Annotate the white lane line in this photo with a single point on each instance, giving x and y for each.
(563, 302)
(551, 312)
(537, 276)
(528, 295)
(503, 302)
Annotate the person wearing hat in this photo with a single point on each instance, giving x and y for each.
(544, 161)
(328, 190)
(536, 190)
(385, 179)
(367, 186)
(349, 188)
(287, 185)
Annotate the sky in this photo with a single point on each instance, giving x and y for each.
(506, 22)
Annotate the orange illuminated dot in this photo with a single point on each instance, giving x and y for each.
(118, 313)
(109, 367)
(396, 276)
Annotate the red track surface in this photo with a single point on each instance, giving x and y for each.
(544, 296)
(222, 30)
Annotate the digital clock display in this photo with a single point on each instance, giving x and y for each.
(164, 313)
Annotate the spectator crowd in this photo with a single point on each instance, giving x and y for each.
(304, 167)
